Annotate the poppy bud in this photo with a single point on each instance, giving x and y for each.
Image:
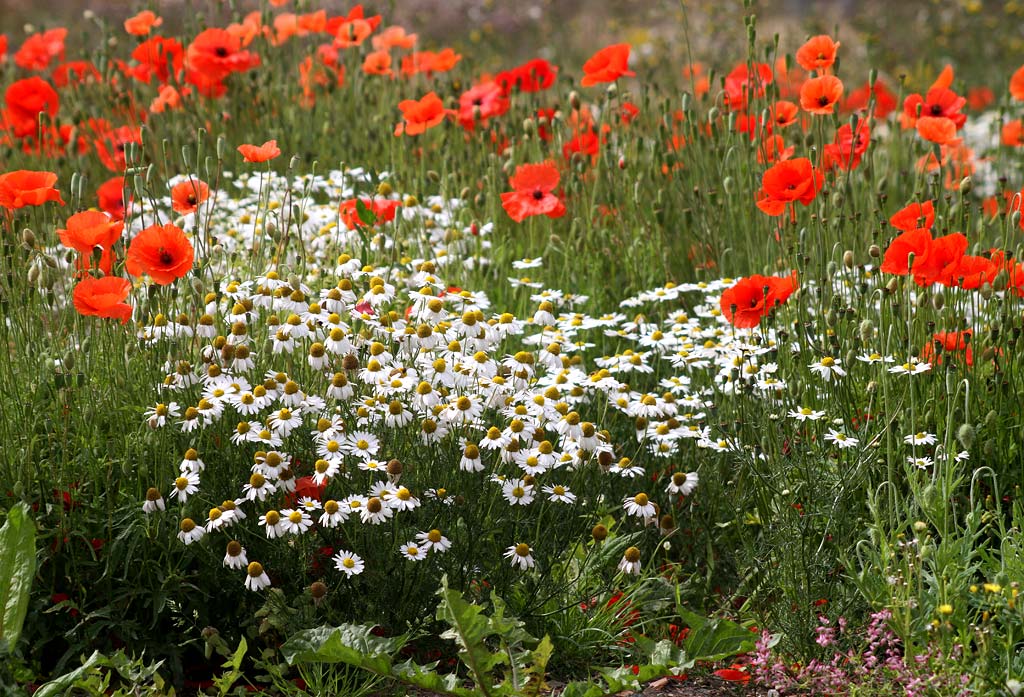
(938, 300)
(872, 387)
(574, 100)
(1001, 281)
(28, 238)
(965, 435)
(729, 184)
(50, 261)
(848, 259)
(294, 162)
(612, 90)
(986, 291)
(221, 145)
(966, 184)
(713, 114)
(433, 176)
(33, 275)
(1015, 219)
(891, 286)
(622, 162)
(874, 251)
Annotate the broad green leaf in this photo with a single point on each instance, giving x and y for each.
(469, 629)
(537, 669)
(425, 677)
(348, 643)
(17, 569)
(63, 684)
(583, 689)
(714, 639)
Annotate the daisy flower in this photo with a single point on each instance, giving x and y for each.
(518, 492)
(841, 439)
(920, 462)
(189, 532)
(375, 512)
(920, 438)
(412, 551)
(271, 520)
(258, 488)
(912, 367)
(333, 515)
(520, 555)
(191, 462)
(362, 445)
(234, 556)
(626, 468)
(639, 506)
(403, 500)
(630, 562)
(154, 501)
(216, 519)
(875, 358)
(559, 493)
(158, 415)
(295, 522)
(185, 486)
(348, 563)
(433, 541)
(256, 578)
(805, 414)
(683, 483)
(827, 368)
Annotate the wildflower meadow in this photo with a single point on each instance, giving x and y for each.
(343, 360)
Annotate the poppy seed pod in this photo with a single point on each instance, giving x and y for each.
(874, 251)
(848, 259)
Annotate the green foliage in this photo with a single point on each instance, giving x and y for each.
(115, 675)
(17, 570)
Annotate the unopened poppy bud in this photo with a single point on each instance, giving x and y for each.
(612, 90)
(294, 162)
(866, 331)
(831, 269)
(938, 300)
(28, 238)
(729, 184)
(848, 259)
(986, 291)
(1015, 219)
(622, 162)
(33, 275)
(221, 145)
(1001, 281)
(49, 261)
(872, 77)
(965, 435)
(874, 251)
(872, 387)
(966, 184)
(574, 99)
(433, 176)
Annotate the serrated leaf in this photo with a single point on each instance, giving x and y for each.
(469, 629)
(583, 689)
(63, 684)
(425, 677)
(17, 569)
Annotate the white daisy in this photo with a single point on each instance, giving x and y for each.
(520, 555)
(348, 563)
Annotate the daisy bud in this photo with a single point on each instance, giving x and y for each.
(599, 533)
(394, 467)
(318, 589)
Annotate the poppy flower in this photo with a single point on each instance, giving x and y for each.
(773, 149)
(784, 113)
(111, 197)
(751, 298)
(913, 241)
(940, 262)
(187, 196)
(818, 54)
(819, 95)
(980, 98)
(849, 147)
(937, 129)
(103, 297)
(914, 215)
(378, 63)
(352, 33)
(23, 187)
(26, 100)
(788, 182)
(162, 252)
(334, 24)
(481, 102)
(1012, 133)
(76, 72)
(393, 37)
(111, 143)
(949, 342)
(40, 49)
(533, 185)
(167, 98)
(260, 153)
(429, 62)
(939, 101)
(216, 54)
(733, 674)
(587, 143)
(742, 84)
(532, 76)
(382, 210)
(142, 23)
(860, 99)
(1017, 84)
(159, 57)
(969, 272)
(607, 65)
(419, 115)
(88, 230)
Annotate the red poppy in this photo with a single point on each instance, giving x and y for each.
(39, 49)
(110, 144)
(941, 260)
(937, 129)
(382, 210)
(187, 196)
(741, 84)
(849, 147)
(167, 98)
(103, 297)
(378, 63)
(751, 298)
(860, 98)
(969, 272)
(784, 113)
(914, 215)
(980, 98)
(260, 153)
(733, 674)
(26, 100)
(788, 182)
(818, 54)
(950, 342)
(163, 252)
(587, 143)
(142, 23)
(532, 76)
(429, 62)
(86, 231)
(111, 197)
(819, 95)
(393, 37)
(158, 56)
(419, 115)
(23, 187)
(216, 53)
(1017, 84)
(533, 185)
(912, 241)
(939, 101)
(75, 72)
(1012, 133)
(481, 103)
(607, 65)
